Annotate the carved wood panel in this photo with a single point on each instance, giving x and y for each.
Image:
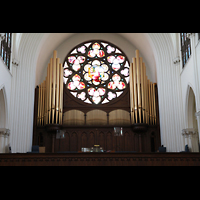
(84, 139)
(73, 142)
(102, 139)
(78, 137)
(91, 139)
(109, 141)
(127, 141)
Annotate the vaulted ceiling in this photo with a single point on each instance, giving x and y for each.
(48, 42)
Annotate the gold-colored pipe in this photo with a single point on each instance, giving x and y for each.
(47, 95)
(142, 93)
(135, 90)
(42, 109)
(54, 86)
(50, 94)
(131, 93)
(147, 105)
(57, 87)
(142, 89)
(40, 104)
(38, 118)
(44, 100)
(138, 84)
(45, 111)
(61, 94)
(50, 88)
(144, 80)
(151, 103)
(154, 100)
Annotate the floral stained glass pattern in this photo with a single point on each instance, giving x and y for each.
(96, 72)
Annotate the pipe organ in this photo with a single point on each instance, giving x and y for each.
(53, 100)
(50, 97)
(142, 93)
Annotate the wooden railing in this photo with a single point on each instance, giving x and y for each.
(101, 159)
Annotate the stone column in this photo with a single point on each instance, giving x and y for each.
(4, 137)
(1, 141)
(191, 138)
(6, 141)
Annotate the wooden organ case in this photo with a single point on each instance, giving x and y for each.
(139, 100)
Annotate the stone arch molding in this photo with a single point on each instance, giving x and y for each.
(3, 107)
(189, 103)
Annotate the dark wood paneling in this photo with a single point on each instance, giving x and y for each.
(101, 159)
(77, 137)
(73, 142)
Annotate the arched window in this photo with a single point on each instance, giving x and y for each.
(96, 72)
(6, 48)
(185, 47)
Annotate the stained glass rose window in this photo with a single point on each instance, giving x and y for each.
(96, 72)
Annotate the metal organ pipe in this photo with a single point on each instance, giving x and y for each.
(50, 98)
(142, 93)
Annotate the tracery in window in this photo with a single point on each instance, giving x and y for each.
(185, 48)
(96, 72)
(6, 49)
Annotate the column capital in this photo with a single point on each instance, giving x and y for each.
(190, 35)
(15, 62)
(4, 132)
(189, 132)
(2, 36)
(176, 60)
(197, 114)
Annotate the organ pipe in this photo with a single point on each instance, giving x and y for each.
(50, 96)
(142, 93)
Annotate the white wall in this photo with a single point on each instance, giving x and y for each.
(169, 92)
(190, 77)
(22, 92)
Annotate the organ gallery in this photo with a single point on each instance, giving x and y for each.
(96, 98)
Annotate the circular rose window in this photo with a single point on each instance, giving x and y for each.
(96, 72)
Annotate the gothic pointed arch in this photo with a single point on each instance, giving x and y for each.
(3, 107)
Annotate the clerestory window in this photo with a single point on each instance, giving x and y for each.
(185, 48)
(6, 48)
